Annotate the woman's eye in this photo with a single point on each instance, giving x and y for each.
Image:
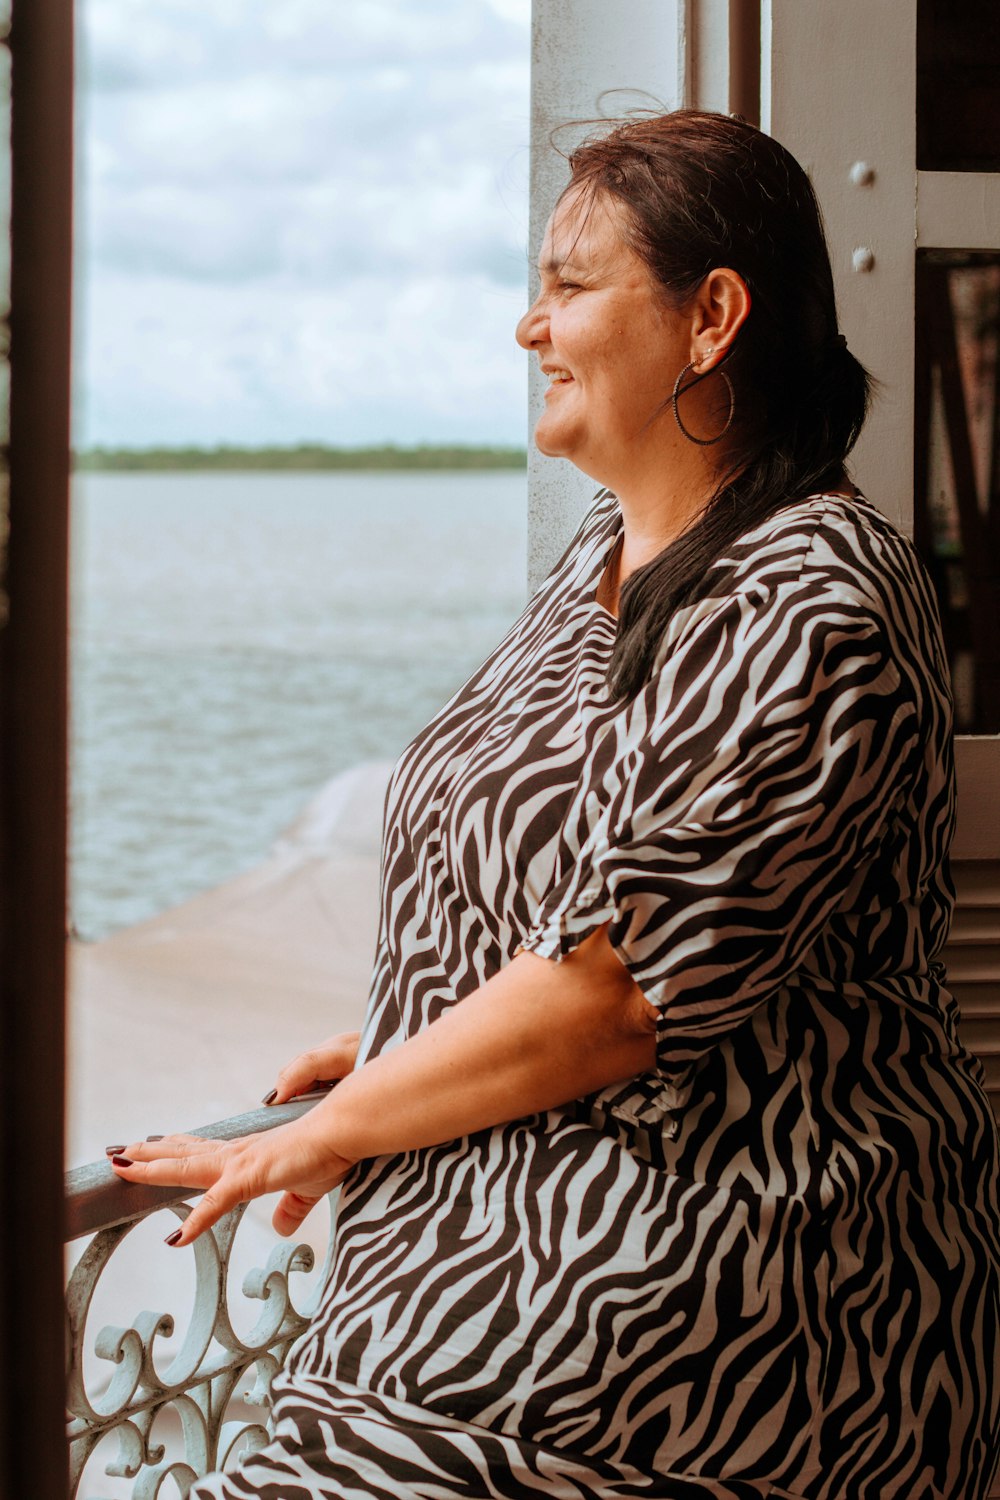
(569, 286)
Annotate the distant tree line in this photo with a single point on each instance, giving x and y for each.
(304, 456)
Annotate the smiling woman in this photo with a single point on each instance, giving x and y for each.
(612, 345)
(660, 1152)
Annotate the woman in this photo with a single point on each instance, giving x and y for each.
(664, 1170)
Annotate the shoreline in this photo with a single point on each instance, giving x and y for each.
(308, 458)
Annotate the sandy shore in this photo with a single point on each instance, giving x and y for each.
(185, 1018)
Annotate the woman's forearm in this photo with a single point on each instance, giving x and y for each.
(535, 1036)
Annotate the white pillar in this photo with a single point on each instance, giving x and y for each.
(581, 49)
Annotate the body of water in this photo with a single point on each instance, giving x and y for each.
(238, 639)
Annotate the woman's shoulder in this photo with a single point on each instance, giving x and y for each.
(836, 542)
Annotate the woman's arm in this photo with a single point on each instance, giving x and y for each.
(535, 1036)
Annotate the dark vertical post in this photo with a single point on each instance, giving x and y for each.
(33, 780)
(744, 59)
(923, 529)
(978, 565)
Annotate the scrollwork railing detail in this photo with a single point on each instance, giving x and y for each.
(214, 1365)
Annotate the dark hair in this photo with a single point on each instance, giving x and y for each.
(706, 190)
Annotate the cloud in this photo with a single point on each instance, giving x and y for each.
(126, 47)
(430, 358)
(249, 168)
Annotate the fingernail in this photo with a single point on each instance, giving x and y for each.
(270, 1098)
(154, 1137)
(115, 1150)
(172, 1239)
(121, 1161)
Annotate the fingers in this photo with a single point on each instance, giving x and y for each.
(211, 1206)
(296, 1077)
(332, 1059)
(294, 1159)
(154, 1147)
(290, 1211)
(198, 1169)
(211, 1169)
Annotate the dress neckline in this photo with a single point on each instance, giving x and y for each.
(595, 577)
(599, 567)
(608, 561)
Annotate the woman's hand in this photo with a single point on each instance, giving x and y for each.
(295, 1159)
(535, 1036)
(325, 1062)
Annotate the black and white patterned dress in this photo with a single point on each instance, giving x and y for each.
(772, 1267)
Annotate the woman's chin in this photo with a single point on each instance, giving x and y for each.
(551, 447)
(551, 438)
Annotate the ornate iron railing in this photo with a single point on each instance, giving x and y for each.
(214, 1363)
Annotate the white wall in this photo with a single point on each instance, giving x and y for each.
(858, 110)
(580, 50)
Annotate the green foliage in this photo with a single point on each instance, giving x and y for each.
(312, 457)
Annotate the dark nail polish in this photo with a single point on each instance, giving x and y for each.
(172, 1239)
(154, 1137)
(122, 1161)
(115, 1150)
(270, 1098)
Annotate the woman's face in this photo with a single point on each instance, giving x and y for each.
(610, 347)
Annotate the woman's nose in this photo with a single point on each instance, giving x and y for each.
(530, 328)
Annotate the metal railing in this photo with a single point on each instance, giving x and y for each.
(207, 1376)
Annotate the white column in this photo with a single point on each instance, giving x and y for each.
(581, 50)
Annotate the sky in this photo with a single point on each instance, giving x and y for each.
(302, 221)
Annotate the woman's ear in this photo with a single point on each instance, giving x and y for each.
(721, 307)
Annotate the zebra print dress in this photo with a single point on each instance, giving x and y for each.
(772, 1266)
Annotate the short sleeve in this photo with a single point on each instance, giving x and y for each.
(721, 819)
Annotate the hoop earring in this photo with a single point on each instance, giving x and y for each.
(703, 442)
